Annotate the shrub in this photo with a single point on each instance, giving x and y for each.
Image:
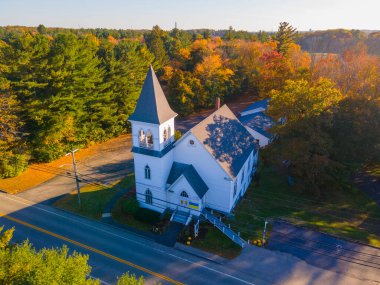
(130, 206)
(12, 165)
(147, 216)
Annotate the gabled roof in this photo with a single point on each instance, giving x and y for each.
(257, 105)
(226, 139)
(152, 106)
(191, 175)
(258, 122)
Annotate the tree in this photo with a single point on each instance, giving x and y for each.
(155, 43)
(127, 279)
(285, 36)
(305, 141)
(13, 159)
(41, 29)
(22, 264)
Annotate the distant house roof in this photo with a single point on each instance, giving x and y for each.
(258, 122)
(262, 104)
(152, 106)
(226, 139)
(191, 175)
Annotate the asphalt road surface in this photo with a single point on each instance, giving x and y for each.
(326, 251)
(112, 251)
(106, 166)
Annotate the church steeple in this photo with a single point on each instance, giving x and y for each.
(152, 106)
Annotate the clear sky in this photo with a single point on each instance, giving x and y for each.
(251, 15)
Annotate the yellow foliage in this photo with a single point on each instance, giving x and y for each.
(185, 53)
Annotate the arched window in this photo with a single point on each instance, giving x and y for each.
(184, 194)
(142, 137)
(149, 139)
(169, 132)
(148, 197)
(165, 135)
(147, 172)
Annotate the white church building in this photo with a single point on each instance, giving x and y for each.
(210, 166)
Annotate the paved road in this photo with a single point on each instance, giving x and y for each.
(104, 167)
(114, 251)
(326, 251)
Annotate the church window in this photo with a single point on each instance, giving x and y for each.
(165, 135)
(235, 188)
(169, 132)
(149, 139)
(148, 197)
(142, 137)
(147, 172)
(184, 194)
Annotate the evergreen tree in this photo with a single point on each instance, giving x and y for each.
(285, 36)
(155, 43)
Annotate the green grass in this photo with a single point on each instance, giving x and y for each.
(93, 198)
(119, 216)
(348, 213)
(216, 242)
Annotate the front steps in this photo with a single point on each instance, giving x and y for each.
(181, 217)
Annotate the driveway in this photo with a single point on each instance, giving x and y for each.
(326, 251)
(111, 163)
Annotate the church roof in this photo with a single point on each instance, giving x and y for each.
(258, 122)
(226, 139)
(152, 106)
(192, 176)
(262, 104)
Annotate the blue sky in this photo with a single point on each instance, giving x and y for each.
(251, 15)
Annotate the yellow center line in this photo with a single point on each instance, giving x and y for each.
(93, 249)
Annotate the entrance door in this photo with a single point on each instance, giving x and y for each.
(184, 199)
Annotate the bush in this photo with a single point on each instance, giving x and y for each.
(130, 206)
(147, 216)
(12, 165)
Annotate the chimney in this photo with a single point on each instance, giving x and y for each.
(217, 103)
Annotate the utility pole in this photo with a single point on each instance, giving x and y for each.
(265, 232)
(75, 173)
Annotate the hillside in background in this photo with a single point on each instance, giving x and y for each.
(337, 41)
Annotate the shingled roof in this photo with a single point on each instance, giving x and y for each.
(152, 106)
(226, 139)
(258, 122)
(191, 175)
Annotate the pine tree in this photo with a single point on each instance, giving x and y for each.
(285, 36)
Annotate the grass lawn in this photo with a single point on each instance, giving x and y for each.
(214, 241)
(94, 198)
(119, 216)
(349, 213)
(41, 172)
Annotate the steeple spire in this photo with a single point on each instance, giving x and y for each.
(152, 106)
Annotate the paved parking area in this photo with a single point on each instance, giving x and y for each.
(326, 251)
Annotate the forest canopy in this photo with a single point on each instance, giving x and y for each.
(66, 88)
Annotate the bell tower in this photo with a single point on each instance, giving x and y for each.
(152, 139)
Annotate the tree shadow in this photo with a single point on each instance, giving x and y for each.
(230, 142)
